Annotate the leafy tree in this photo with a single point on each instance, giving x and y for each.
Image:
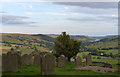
(64, 45)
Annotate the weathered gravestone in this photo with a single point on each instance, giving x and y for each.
(89, 60)
(37, 59)
(9, 62)
(108, 65)
(78, 61)
(48, 64)
(26, 59)
(61, 61)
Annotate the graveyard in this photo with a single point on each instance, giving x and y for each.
(25, 62)
(28, 65)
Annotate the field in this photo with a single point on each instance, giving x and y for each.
(114, 62)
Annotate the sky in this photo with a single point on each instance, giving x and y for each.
(78, 18)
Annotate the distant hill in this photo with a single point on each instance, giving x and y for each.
(45, 37)
(28, 43)
(85, 39)
(107, 36)
(105, 43)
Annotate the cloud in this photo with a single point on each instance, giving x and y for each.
(93, 19)
(66, 8)
(102, 5)
(94, 8)
(55, 13)
(94, 11)
(15, 20)
(52, 13)
(2, 12)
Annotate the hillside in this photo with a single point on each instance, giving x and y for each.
(105, 43)
(28, 43)
(108, 46)
(33, 43)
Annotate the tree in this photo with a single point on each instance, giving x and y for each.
(64, 45)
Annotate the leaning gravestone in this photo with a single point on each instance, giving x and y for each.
(26, 59)
(48, 64)
(78, 61)
(37, 60)
(61, 61)
(89, 60)
(9, 62)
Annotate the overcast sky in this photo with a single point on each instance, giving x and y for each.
(86, 18)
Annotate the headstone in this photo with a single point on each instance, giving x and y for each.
(19, 59)
(88, 60)
(9, 62)
(78, 61)
(66, 59)
(26, 59)
(48, 64)
(37, 60)
(108, 65)
(61, 61)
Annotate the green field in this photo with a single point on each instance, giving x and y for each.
(113, 51)
(113, 61)
(66, 70)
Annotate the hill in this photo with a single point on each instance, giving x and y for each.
(108, 46)
(105, 43)
(27, 43)
(33, 43)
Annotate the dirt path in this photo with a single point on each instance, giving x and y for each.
(97, 69)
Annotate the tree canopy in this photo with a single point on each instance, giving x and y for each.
(64, 45)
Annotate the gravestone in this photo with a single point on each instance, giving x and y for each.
(66, 59)
(37, 59)
(47, 64)
(26, 59)
(19, 59)
(9, 62)
(89, 60)
(78, 61)
(108, 65)
(61, 61)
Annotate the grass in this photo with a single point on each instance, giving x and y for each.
(66, 70)
(113, 51)
(114, 62)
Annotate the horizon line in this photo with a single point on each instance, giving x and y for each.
(54, 34)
